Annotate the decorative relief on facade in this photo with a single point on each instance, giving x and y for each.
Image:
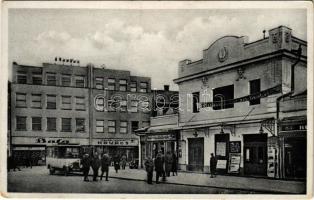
(240, 74)
(204, 82)
(222, 54)
(287, 37)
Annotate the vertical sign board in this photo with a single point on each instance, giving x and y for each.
(234, 157)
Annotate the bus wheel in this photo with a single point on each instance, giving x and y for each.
(51, 170)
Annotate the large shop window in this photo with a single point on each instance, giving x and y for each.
(20, 123)
(111, 126)
(51, 124)
(196, 100)
(36, 123)
(21, 100)
(66, 125)
(100, 126)
(80, 125)
(255, 88)
(222, 97)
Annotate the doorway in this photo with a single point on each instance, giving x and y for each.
(255, 154)
(196, 154)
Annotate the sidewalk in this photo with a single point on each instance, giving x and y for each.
(227, 182)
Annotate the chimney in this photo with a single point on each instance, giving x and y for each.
(166, 87)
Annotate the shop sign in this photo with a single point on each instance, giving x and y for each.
(234, 162)
(161, 137)
(294, 127)
(42, 140)
(117, 142)
(221, 164)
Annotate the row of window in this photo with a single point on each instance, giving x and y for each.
(223, 96)
(80, 81)
(66, 125)
(36, 101)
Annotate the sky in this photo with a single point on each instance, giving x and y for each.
(145, 42)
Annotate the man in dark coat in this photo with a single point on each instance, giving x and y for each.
(168, 163)
(149, 166)
(86, 162)
(159, 167)
(95, 166)
(116, 162)
(105, 163)
(174, 164)
(213, 163)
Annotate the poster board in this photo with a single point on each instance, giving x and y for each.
(234, 163)
(221, 164)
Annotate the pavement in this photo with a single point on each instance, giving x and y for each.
(263, 185)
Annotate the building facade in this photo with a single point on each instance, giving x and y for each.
(230, 99)
(93, 107)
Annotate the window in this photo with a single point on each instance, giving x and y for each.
(51, 78)
(80, 125)
(123, 106)
(143, 87)
(134, 126)
(65, 80)
(111, 126)
(37, 78)
(133, 107)
(20, 123)
(123, 126)
(196, 101)
(66, 125)
(122, 85)
(111, 84)
(51, 124)
(51, 101)
(100, 104)
(21, 77)
(36, 123)
(112, 105)
(66, 102)
(255, 88)
(145, 123)
(133, 86)
(99, 83)
(80, 81)
(223, 97)
(36, 100)
(144, 106)
(100, 126)
(80, 103)
(21, 100)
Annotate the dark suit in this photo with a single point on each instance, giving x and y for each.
(105, 162)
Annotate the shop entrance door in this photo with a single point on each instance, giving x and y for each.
(255, 154)
(295, 157)
(196, 154)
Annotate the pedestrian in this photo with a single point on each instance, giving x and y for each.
(163, 166)
(213, 163)
(15, 163)
(168, 163)
(29, 160)
(105, 162)
(123, 161)
(116, 162)
(174, 164)
(149, 166)
(95, 165)
(158, 167)
(86, 162)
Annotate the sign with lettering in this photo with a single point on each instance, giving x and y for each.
(262, 94)
(220, 149)
(221, 164)
(234, 162)
(161, 137)
(116, 142)
(235, 147)
(42, 140)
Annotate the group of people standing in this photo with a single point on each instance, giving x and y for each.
(97, 161)
(15, 162)
(163, 164)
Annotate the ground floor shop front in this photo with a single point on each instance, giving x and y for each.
(240, 149)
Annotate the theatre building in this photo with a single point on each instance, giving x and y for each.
(230, 103)
(89, 106)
